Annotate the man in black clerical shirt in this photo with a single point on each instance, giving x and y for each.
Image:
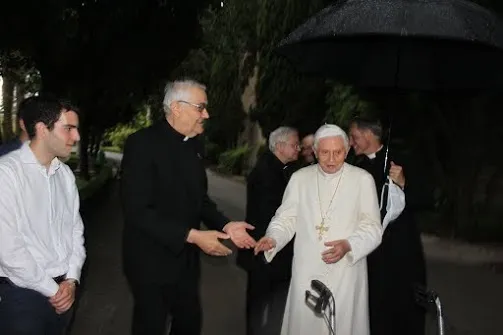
(307, 151)
(268, 283)
(164, 197)
(398, 264)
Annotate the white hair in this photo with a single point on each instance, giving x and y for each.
(280, 135)
(330, 130)
(177, 90)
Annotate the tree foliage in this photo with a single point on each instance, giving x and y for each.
(117, 135)
(106, 56)
(284, 96)
(224, 62)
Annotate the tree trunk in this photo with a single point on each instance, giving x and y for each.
(252, 134)
(84, 145)
(20, 93)
(97, 141)
(92, 139)
(7, 104)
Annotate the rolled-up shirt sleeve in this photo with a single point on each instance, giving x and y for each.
(16, 261)
(78, 255)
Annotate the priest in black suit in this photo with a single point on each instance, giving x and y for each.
(267, 285)
(164, 197)
(398, 264)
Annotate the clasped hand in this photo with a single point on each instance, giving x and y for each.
(396, 174)
(338, 249)
(209, 240)
(63, 300)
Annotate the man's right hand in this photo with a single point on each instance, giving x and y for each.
(265, 244)
(64, 298)
(208, 241)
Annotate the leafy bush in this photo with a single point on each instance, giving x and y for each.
(111, 149)
(232, 161)
(117, 136)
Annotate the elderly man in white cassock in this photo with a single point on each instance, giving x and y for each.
(333, 210)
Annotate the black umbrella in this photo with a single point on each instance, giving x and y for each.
(431, 45)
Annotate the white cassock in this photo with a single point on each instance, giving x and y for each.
(354, 216)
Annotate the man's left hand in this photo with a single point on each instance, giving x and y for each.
(237, 231)
(396, 174)
(337, 250)
(64, 298)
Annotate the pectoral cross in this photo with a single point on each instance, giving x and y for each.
(322, 229)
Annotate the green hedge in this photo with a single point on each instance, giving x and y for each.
(232, 161)
(112, 149)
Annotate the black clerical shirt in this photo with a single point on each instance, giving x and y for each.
(164, 196)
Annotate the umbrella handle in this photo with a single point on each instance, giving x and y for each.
(384, 189)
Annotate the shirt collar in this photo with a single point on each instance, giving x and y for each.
(28, 157)
(275, 160)
(173, 132)
(373, 155)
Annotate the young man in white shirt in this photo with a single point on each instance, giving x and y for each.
(41, 231)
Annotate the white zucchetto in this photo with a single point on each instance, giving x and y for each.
(330, 130)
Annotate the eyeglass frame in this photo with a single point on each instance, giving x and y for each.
(200, 107)
(297, 147)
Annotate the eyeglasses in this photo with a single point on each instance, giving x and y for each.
(200, 107)
(294, 146)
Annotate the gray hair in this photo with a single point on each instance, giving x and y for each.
(330, 130)
(280, 135)
(177, 90)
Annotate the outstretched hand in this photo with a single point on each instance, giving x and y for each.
(264, 244)
(208, 241)
(238, 234)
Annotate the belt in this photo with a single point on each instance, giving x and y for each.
(58, 280)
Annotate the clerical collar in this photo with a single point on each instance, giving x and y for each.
(330, 175)
(373, 155)
(275, 160)
(175, 133)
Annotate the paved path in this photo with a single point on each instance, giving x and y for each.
(472, 294)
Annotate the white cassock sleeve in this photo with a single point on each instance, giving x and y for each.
(283, 224)
(368, 234)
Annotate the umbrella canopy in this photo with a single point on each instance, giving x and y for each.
(431, 45)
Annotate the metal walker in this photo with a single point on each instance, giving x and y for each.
(319, 303)
(324, 299)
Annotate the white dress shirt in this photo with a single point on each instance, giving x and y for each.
(41, 231)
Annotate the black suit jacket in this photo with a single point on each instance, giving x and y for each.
(265, 187)
(164, 195)
(398, 264)
(400, 252)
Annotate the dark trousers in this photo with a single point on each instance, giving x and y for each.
(266, 296)
(154, 302)
(392, 306)
(27, 312)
